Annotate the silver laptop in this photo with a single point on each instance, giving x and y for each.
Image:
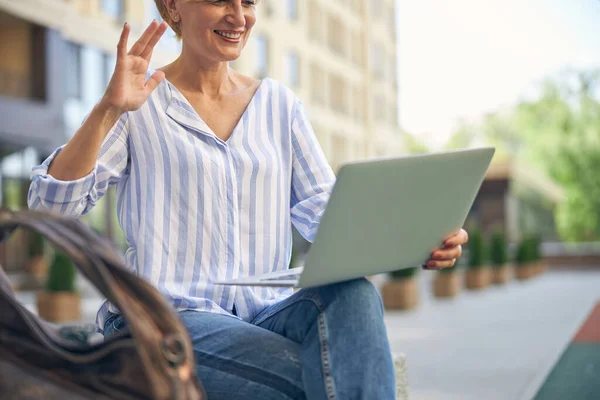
(386, 214)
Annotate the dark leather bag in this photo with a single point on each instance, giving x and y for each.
(152, 359)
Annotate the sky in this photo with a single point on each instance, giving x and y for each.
(459, 59)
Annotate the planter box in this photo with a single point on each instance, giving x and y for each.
(38, 267)
(59, 306)
(400, 294)
(525, 271)
(446, 284)
(501, 274)
(477, 278)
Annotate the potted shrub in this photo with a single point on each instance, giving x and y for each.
(38, 262)
(446, 283)
(402, 291)
(523, 259)
(499, 259)
(477, 275)
(60, 301)
(536, 255)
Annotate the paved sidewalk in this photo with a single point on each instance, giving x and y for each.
(497, 344)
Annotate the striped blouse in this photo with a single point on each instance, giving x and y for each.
(195, 208)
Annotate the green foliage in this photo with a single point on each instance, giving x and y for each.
(413, 145)
(405, 273)
(477, 250)
(61, 276)
(498, 252)
(37, 244)
(535, 244)
(528, 249)
(557, 131)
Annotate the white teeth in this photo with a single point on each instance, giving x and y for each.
(229, 35)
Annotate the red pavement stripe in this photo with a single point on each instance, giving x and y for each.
(590, 330)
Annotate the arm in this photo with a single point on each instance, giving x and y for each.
(312, 177)
(64, 183)
(73, 192)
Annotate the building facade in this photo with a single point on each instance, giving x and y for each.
(56, 57)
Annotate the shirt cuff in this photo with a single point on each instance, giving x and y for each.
(55, 190)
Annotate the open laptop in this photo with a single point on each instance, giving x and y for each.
(385, 215)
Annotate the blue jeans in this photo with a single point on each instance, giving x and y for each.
(328, 342)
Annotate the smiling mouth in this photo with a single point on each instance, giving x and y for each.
(229, 35)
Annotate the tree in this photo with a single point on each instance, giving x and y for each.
(414, 145)
(561, 134)
(558, 131)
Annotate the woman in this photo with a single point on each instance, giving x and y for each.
(211, 168)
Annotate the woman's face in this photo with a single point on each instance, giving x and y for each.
(216, 29)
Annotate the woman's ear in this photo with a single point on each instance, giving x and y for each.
(172, 9)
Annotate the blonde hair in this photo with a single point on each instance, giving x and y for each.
(164, 13)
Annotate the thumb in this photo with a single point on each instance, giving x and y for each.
(154, 81)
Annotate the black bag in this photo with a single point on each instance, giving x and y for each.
(152, 359)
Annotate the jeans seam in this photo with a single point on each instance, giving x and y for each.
(323, 342)
(325, 358)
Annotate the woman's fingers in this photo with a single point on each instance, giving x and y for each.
(447, 253)
(431, 264)
(154, 81)
(147, 52)
(122, 45)
(142, 42)
(457, 238)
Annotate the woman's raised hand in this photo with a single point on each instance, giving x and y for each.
(128, 88)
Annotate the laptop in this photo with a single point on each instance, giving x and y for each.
(384, 215)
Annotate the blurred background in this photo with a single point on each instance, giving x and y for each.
(381, 78)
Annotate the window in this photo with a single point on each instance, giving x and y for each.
(113, 8)
(338, 94)
(315, 15)
(379, 111)
(376, 8)
(73, 70)
(262, 56)
(317, 84)
(357, 48)
(378, 63)
(292, 68)
(291, 9)
(336, 35)
(109, 61)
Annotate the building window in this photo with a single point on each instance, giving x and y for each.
(262, 56)
(73, 70)
(336, 35)
(108, 67)
(113, 8)
(291, 9)
(379, 111)
(316, 16)
(378, 63)
(292, 68)
(317, 84)
(338, 94)
(376, 8)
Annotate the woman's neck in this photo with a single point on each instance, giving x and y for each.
(207, 78)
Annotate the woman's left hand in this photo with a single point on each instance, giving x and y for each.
(445, 256)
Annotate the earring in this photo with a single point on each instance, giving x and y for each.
(175, 18)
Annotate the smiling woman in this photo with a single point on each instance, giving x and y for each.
(212, 168)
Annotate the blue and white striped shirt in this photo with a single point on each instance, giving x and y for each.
(195, 208)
